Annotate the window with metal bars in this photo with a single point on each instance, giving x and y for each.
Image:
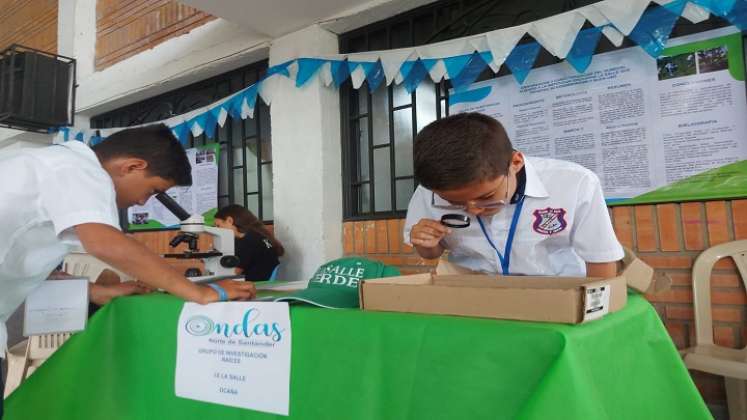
(378, 127)
(245, 167)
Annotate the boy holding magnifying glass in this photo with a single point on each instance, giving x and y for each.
(505, 213)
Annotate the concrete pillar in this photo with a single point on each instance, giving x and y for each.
(306, 159)
(76, 34)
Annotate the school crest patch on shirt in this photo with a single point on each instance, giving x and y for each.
(549, 221)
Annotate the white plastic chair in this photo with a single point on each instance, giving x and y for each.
(705, 355)
(86, 265)
(25, 357)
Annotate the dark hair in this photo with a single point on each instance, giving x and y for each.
(154, 144)
(461, 149)
(246, 221)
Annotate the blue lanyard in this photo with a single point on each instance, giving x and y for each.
(505, 258)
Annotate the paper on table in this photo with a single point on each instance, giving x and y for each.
(57, 306)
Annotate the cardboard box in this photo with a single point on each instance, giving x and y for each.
(454, 290)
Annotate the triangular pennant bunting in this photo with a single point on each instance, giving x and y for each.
(583, 49)
(521, 60)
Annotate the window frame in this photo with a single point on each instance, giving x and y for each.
(177, 102)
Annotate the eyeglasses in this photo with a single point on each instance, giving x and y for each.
(476, 204)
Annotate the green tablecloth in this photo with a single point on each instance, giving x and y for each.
(350, 364)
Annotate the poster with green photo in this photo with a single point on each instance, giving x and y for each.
(199, 198)
(701, 134)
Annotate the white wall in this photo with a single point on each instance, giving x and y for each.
(12, 139)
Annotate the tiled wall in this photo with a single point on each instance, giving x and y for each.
(127, 27)
(31, 23)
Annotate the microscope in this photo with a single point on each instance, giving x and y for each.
(219, 261)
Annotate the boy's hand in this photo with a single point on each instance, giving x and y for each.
(427, 233)
(236, 290)
(426, 237)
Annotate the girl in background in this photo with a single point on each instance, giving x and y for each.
(257, 249)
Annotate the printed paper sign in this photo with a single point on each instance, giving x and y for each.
(56, 306)
(596, 302)
(200, 198)
(236, 354)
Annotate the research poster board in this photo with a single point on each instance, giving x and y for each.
(200, 198)
(639, 123)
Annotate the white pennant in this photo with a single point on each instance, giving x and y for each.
(438, 71)
(616, 37)
(557, 33)
(392, 61)
(222, 115)
(503, 41)
(695, 13)
(196, 129)
(269, 86)
(623, 14)
(398, 79)
(480, 44)
(357, 76)
(293, 70)
(597, 19)
(245, 110)
(325, 73)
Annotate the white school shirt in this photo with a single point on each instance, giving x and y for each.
(44, 193)
(564, 223)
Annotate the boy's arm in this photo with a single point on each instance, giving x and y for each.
(101, 294)
(115, 248)
(601, 270)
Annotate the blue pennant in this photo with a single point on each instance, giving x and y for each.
(181, 132)
(279, 69)
(374, 75)
(251, 95)
(65, 133)
(215, 113)
(653, 29)
(96, 140)
(415, 74)
(307, 67)
(79, 136)
(211, 122)
(340, 72)
(454, 65)
(470, 72)
(717, 7)
(486, 56)
(737, 15)
(583, 48)
(406, 68)
(233, 106)
(521, 60)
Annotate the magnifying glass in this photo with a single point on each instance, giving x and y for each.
(454, 220)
